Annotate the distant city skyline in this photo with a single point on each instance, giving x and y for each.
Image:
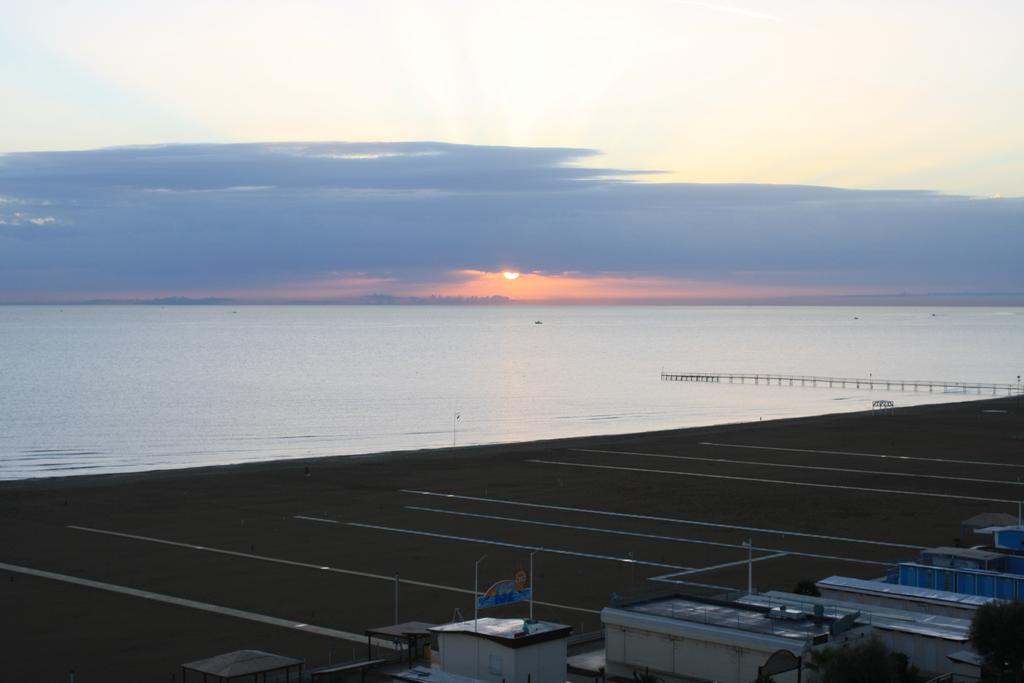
(662, 150)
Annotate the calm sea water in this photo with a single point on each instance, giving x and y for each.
(130, 388)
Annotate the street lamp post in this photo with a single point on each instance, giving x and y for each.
(476, 606)
(749, 545)
(531, 583)
(476, 591)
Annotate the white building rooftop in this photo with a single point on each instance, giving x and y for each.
(734, 616)
(885, 618)
(509, 632)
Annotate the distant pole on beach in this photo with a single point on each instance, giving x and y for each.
(749, 543)
(456, 416)
(532, 585)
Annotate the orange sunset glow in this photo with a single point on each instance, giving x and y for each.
(521, 287)
(541, 287)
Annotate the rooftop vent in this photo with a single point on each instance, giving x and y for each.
(785, 613)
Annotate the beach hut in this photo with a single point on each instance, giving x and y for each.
(250, 665)
(985, 519)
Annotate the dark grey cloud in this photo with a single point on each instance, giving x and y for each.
(216, 217)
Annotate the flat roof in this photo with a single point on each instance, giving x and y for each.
(587, 663)
(886, 618)
(736, 616)
(969, 553)
(241, 663)
(895, 590)
(422, 673)
(966, 657)
(508, 632)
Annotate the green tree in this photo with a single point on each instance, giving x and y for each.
(646, 677)
(807, 587)
(868, 661)
(997, 634)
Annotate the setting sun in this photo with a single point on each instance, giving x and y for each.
(511, 276)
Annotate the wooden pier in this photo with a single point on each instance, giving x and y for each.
(920, 385)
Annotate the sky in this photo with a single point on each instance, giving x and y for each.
(652, 150)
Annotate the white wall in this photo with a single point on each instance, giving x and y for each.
(469, 655)
(898, 602)
(631, 649)
(926, 653)
(544, 662)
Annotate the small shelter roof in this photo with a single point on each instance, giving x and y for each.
(404, 630)
(241, 663)
(990, 519)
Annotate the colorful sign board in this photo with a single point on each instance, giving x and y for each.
(506, 591)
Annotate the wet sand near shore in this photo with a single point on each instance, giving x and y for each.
(840, 494)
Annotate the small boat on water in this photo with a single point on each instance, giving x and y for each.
(537, 322)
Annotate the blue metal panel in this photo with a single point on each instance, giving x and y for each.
(1010, 538)
(1014, 565)
(977, 582)
(908, 575)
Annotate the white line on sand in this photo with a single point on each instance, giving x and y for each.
(658, 537)
(487, 541)
(317, 519)
(202, 606)
(654, 518)
(728, 589)
(819, 468)
(782, 482)
(863, 455)
(715, 567)
(390, 578)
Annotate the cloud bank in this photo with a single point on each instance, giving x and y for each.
(330, 221)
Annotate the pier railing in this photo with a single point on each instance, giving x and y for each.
(921, 385)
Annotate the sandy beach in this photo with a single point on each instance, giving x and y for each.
(318, 542)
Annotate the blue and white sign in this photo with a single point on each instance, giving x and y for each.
(506, 591)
